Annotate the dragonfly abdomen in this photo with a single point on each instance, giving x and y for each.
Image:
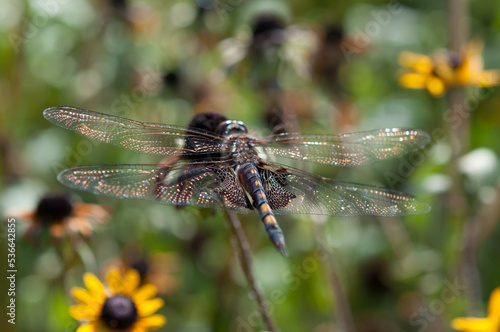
(251, 181)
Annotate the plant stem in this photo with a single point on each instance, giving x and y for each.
(397, 236)
(457, 104)
(343, 312)
(477, 228)
(242, 248)
(460, 137)
(486, 219)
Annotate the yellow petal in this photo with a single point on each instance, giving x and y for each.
(472, 324)
(418, 62)
(25, 215)
(488, 78)
(472, 63)
(474, 48)
(94, 286)
(494, 306)
(83, 225)
(130, 281)
(413, 80)
(84, 312)
(435, 86)
(92, 211)
(57, 231)
(144, 293)
(152, 322)
(148, 307)
(81, 295)
(473, 55)
(90, 327)
(137, 328)
(114, 280)
(466, 75)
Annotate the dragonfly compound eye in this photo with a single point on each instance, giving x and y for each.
(232, 127)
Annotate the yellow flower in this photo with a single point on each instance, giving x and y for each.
(121, 306)
(488, 324)
(445, 69)
(61, 215)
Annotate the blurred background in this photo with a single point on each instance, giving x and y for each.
(302, 66)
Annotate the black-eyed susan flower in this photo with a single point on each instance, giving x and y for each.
(120, 306)
(488, 324)
(269, 44)
(444, 70)
(422, 74)
(61, 215)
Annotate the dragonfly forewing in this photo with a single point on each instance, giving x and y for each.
(150, 138)
(347, 150)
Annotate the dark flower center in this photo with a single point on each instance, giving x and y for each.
(266, 24)
(454, 60)
(171, 79)
(334, 34)
(142, 266)
(119, 4)
(54, 208)
(268, 33)
(119, 312)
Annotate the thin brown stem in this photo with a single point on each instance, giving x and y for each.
(242, 248)
(477, 228)
(458, 28)
(343, 312)
(460, 136)
(459, 108)
(486, 219)
(458, 23)
(397, 236)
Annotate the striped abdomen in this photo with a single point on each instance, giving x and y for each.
(251, 181)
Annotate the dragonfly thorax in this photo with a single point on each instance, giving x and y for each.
(240, 149)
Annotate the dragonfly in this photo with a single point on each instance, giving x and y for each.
(228, 168)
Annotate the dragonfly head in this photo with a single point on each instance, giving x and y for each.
(231, 127)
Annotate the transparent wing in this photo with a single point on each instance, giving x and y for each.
(290, 191)
(356, 149)
(152, 138)
(196, 184)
